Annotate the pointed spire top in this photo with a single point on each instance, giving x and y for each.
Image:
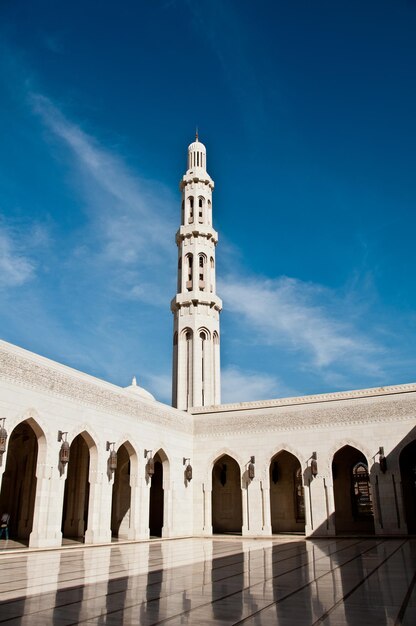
(196, 134)
(134, 382)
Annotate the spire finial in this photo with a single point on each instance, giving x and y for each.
(134, 382)
(196, 134)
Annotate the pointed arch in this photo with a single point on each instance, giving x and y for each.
(226, 506)
(83, 463)
(284, 447)
(186, 364)
(287, 500)
(127, 464)
(224, 451)
(347, 442)
(352, 491)
(158, 489)
(19, 483)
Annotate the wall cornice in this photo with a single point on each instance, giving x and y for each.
(271, 416)
(32, 371)
(318, 398)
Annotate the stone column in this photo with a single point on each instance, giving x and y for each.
(134, 522)
(47, 515)
(207, 512)
(319, 506)
(253, 509)
(267, 517)
(388, 503)
(99, 509)
(168, 499)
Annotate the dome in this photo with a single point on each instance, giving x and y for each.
(197, 155)
(139, 392)
(197, 146)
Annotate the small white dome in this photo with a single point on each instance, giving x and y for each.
(139, 391)
(197, 146)
(197, 155)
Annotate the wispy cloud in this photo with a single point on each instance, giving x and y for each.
(242, 386)
(304, 317)
(16, 268)
(131, 217)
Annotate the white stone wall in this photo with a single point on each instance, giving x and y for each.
(53, 397)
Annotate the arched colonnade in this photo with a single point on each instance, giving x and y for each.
(73, 505)
(348, 494)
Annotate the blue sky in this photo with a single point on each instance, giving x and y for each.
(307, 110)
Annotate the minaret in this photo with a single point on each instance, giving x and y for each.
(196, 307)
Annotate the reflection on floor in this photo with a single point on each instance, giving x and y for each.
(225, 580)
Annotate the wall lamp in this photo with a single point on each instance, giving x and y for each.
(188, 469)
(3, 439)
(314, 464)
(150, 465)
(250, 468)
(112, 459)
(382, 459)
(64, 451)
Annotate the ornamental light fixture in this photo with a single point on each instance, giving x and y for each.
(188, 469)
(112, 459)
(64, 451)
(3, 439)
(314, 464)
(250, 468)
(150, 465)
(382, 459)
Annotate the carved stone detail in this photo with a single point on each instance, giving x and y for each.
(43, 375)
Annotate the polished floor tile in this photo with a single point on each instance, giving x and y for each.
(224, 580)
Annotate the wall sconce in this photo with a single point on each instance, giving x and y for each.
(188, 469)
(64, 451)
(112, 459)
(382, 459)
(150, 465)
(3, 439)
(314, 464)
(250, 468)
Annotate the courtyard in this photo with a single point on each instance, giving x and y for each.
(221, 580)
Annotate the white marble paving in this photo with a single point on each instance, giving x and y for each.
(222, 580)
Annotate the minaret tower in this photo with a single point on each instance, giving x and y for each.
(196, 307)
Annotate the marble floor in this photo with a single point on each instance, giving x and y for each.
(224, 580)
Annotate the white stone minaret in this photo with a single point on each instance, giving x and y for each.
(196, 307)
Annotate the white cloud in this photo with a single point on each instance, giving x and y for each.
(304, 317)
(160, 385)
(132, 218)
(15, 268)
(239, 386)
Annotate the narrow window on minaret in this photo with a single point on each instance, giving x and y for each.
(188, 337)
(189, 281)
(179, 275)
(200, 209)
(201, 272)
(203, 338)
(191, 209)
(197, 159)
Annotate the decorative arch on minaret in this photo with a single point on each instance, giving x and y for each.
(196, 307)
